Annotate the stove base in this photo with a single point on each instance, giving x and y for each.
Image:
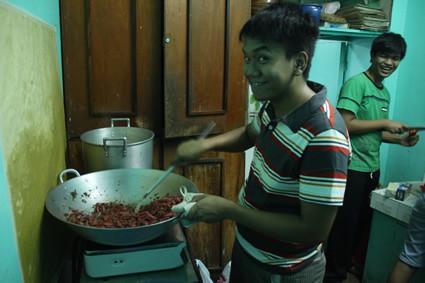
(182, 274)
(103, 263)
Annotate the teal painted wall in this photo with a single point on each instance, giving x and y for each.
(10, 267)
(403, 164)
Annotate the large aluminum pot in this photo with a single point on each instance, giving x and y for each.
(121, 185)
(117, 147)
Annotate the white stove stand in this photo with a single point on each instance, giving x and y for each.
(105, 263)
(165, 259)
(183, 274)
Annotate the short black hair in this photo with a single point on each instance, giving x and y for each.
(389, 42)
(284, 23)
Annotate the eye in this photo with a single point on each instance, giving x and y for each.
(263, 59)
(384, 56)
(246, 59)
(393, 57)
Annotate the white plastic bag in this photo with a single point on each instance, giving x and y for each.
(225, 274)
(204, 272)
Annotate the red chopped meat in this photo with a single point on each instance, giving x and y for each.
(118, 215)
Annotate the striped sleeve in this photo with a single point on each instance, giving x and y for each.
(324, 167)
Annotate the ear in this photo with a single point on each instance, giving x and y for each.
(301, 60)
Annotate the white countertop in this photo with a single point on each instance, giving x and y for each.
(398, 209)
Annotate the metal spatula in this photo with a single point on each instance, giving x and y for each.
(170, 169)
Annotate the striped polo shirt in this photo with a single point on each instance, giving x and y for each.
(302, 156)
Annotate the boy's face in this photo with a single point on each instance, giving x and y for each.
(267, 69)
(384, 64)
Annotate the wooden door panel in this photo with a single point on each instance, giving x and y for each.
(112, 61)
(203, 61)
(214, 174)
(206, 74)
(234, 177)
(205, 239)
(111, 57)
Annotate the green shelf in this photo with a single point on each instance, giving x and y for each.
(345, 32)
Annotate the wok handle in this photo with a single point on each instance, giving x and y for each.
(66, 171)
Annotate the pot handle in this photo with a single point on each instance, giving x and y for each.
(106, 146)
(66, 171)
(120, 119)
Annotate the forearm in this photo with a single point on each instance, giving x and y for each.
(387, 137)
(233, 141)
(236, 140)
(356, 127)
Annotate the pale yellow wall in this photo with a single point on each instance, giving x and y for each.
(32, 131)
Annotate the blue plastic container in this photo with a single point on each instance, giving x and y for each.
(314, 10)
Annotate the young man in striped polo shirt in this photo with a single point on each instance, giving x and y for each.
(297, 178)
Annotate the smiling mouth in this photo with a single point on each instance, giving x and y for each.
(255, 84)
(386, 69)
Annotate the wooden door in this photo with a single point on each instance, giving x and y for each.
(203, 62)
(112, 65)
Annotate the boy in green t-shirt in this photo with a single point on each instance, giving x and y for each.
(364, 104)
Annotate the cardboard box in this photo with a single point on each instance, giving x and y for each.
(415, 188)
(400, 210)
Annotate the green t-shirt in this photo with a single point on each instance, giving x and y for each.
(368, 102)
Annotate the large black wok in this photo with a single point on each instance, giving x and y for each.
(121, 185)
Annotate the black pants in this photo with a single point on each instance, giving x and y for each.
(351, 222)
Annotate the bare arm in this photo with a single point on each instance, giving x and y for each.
(389, 129)
(356, 126)
(401, 273)
(312, 226)
(236, 140)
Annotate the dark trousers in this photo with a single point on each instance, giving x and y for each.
(351, 225)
